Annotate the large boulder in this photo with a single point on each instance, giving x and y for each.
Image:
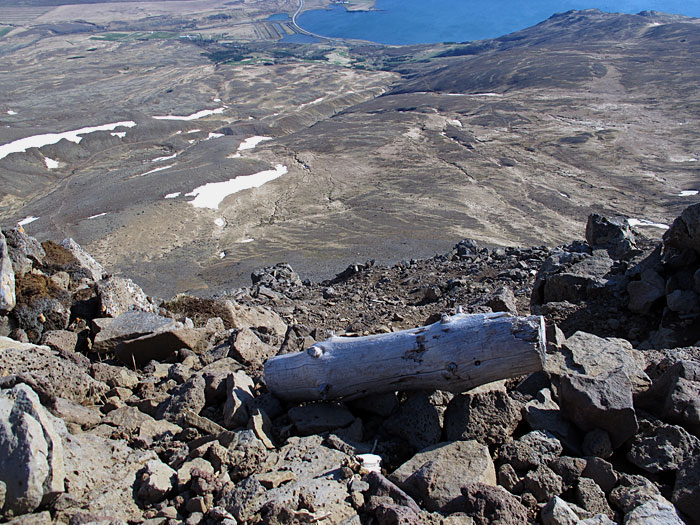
(686, 491)
(435, 475)
(532, 450)
(603, 402)
(118, 295)
(7, 278)
(489, 504)
(660, 448)
(109, 332)
(31, 451)
(588, 354)
(675, 395)
(62, 376)
(488, 417)
(311, 465)
(416, 421)
(611, 234)
(684, 233)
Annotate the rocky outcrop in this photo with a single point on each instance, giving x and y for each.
(160, 411)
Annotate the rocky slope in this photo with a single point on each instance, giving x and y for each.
(116, 407)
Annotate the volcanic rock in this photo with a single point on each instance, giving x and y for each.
(118, 295)
(434, 475)
(416, 421)
(31, 451)
(7, 278)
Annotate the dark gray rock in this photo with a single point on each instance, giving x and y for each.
(569, 468)
(600, 402)
(434, 476)
(188, 396)
(597, 443)
(588, 354)
(118, 295)
(632, 491)
(532, 450)
(7, 278)
(659, 447)
(675, 395)
(543, 413)
(378, 404)
(24, 250)
(488, 417)
(157, 346)
(682, 301)
(686, 491)
(416, 421)
(591, 497)
(488, 504)
(508, 478)
(502, 300)
(611, 234)
(319, 417)
(543, 483)
(601, 472)
(646, 292)
(392, 514)
(684, 233)
(109, 332)
(31, 451)
(136, 425)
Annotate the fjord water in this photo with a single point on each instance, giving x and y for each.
(431, 21)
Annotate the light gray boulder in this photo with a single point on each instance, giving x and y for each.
(109, 332)
(7, 278)
(118, 295)
(657, 511)
(239, 400)
(84, 259)
(31, 451)
(156, 481)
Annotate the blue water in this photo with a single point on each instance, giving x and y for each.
(431, 21)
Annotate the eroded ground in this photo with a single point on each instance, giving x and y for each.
(389, 153)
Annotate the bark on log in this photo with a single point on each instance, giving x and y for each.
(455, 354)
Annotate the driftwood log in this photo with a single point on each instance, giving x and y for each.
(455, 354)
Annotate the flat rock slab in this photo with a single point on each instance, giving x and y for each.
(157, 346)
(588, 354)
(130, 325)
(319, 417)
(7, 278)
(435, 475)
(67, 379)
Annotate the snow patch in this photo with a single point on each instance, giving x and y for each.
(172, 195)
(193, 116)
(98, 215)
(194, 131)
(688, 193)
(10, 112)
(161, 159)
(246, 241)
(454, 122)
(222, 255)
(220, 222)
(38, 141)
(644, 222)
(120, 134)
(211, 195)
(27, 220)
(313, 102)
(214, 136)
(251, 142)
(161, 168)
(50, 163)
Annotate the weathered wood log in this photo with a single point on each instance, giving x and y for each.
(455, 354)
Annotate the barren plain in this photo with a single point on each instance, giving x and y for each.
(381, 152)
